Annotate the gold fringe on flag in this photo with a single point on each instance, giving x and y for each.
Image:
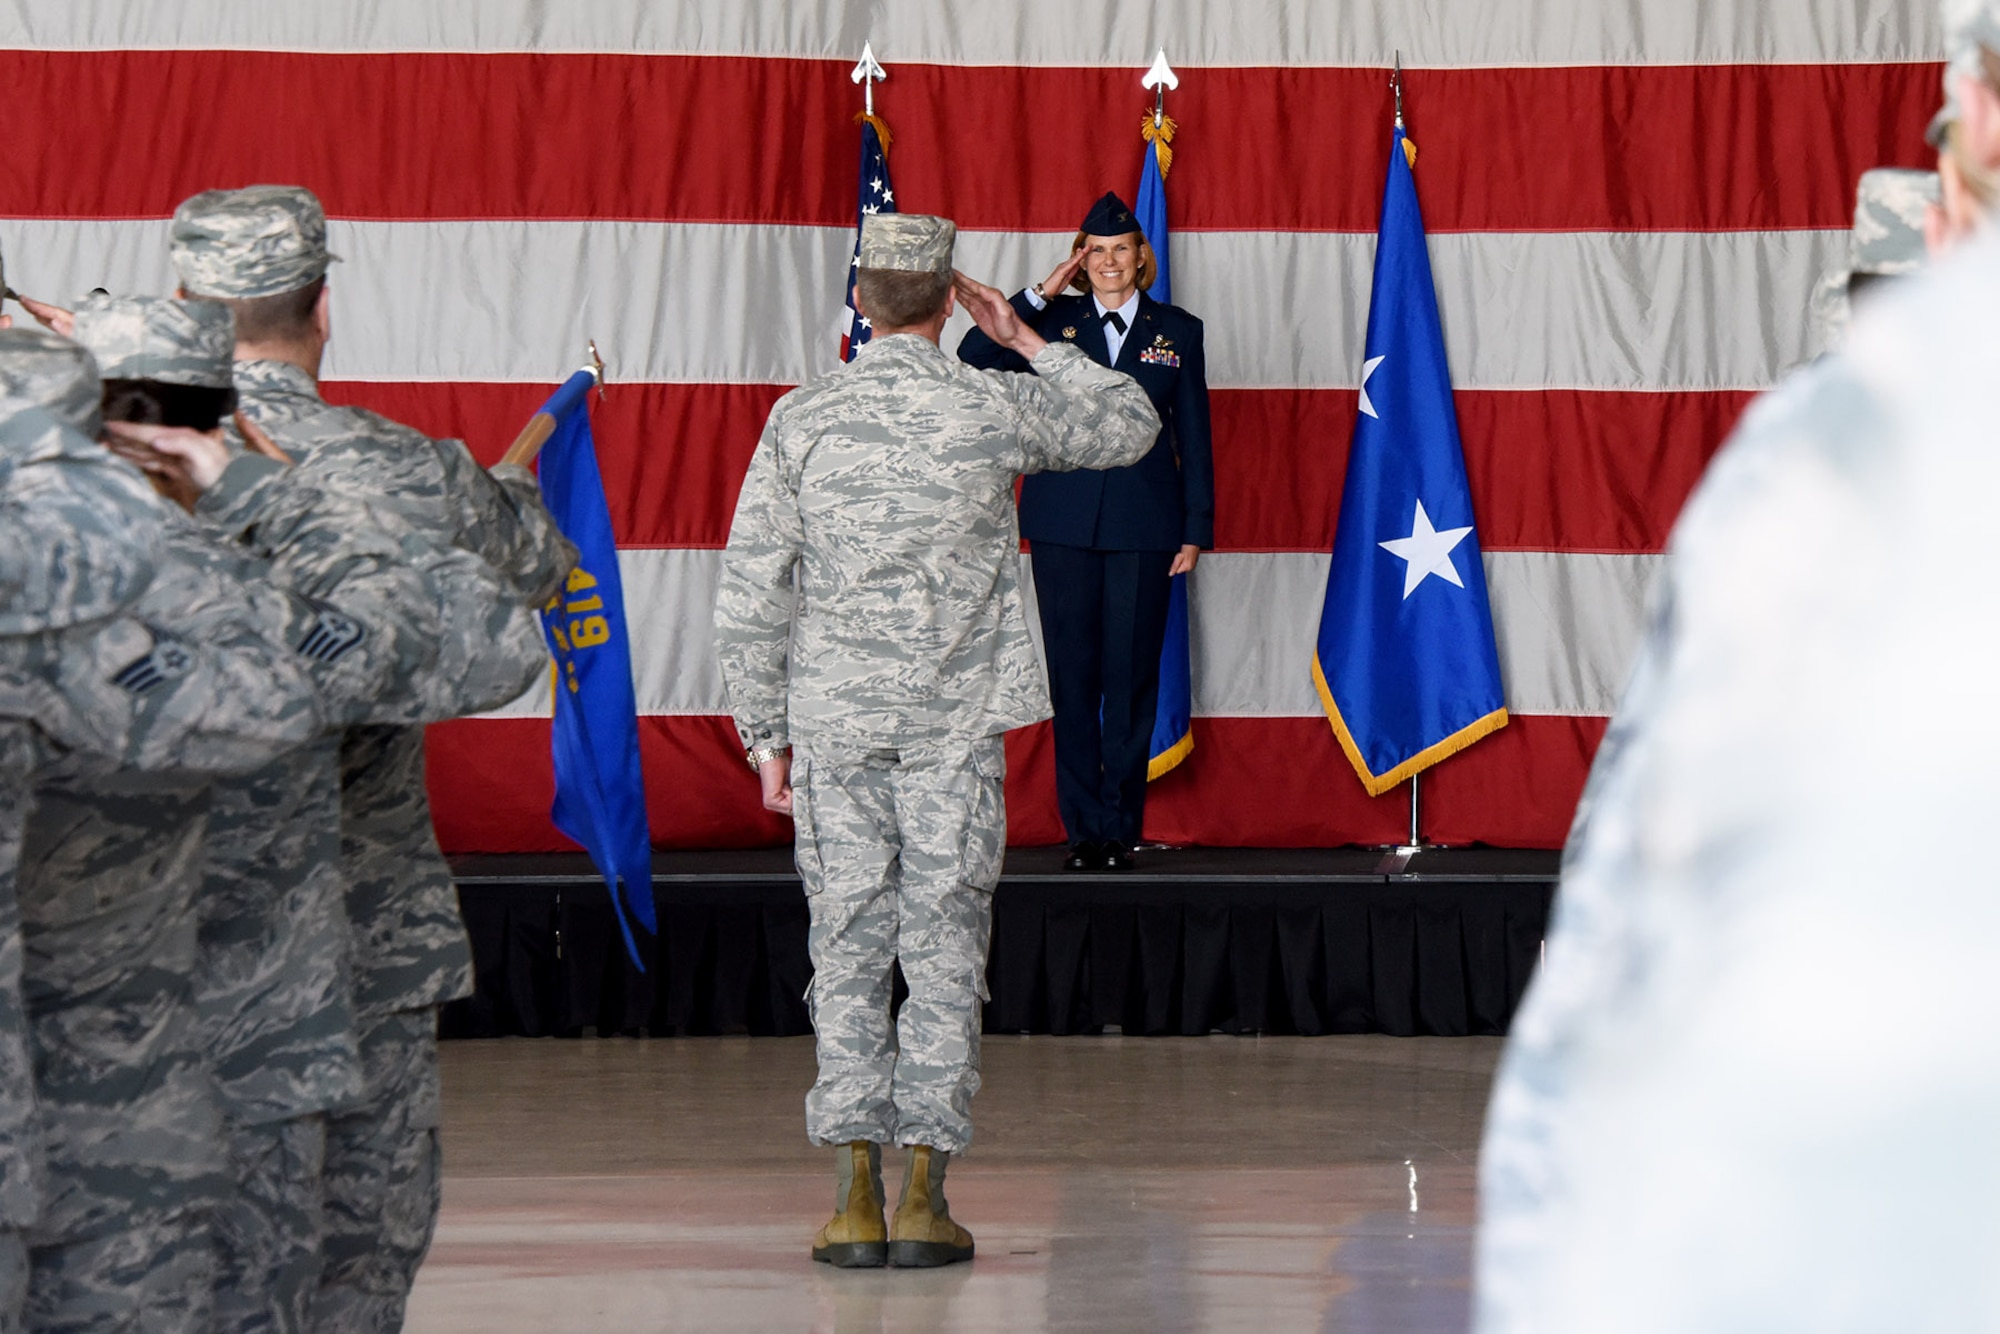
(1160, 136)
(881, 129)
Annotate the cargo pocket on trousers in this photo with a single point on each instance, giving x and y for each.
(985, 837)
(805, 856)
(985, 817)
(805, 830)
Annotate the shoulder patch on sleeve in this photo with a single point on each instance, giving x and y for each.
(168, 661)
(331, 635)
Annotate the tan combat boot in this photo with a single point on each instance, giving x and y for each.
(923, 1235)
(855, 1239)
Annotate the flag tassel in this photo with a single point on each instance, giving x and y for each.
(1416, 764)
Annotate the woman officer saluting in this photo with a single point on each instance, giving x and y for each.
(1107, 543)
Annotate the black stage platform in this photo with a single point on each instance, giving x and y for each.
(1197, 940)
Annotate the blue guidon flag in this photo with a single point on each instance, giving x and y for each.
(1173, 725)
(600, 793)
(877, 196)
(1406, 664)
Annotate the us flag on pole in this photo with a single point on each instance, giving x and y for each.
(877, 195)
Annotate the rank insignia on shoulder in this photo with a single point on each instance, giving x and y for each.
(330, 636)
(169, 661)
(1069, 331)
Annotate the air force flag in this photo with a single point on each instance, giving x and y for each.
(1173, 725)
(600, 793)
(1405, 664)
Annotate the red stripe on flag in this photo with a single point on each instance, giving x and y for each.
(719, 139)
(1555, 470)
(491, 783)
(1551, 470)
(672, 455)
(1517, 788)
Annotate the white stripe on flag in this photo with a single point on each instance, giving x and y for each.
(701, 303)
(1116, 33)
(1567, 625)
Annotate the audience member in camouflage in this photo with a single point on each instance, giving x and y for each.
(883, 493)
(1890, 208)
(269, 243)
(273, 979)
(1741, 855)
(116, 1198)
(21, 1166)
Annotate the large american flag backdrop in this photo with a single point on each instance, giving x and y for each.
(1628, 201)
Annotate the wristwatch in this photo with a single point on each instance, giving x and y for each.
(759, 756)
(1037, 290)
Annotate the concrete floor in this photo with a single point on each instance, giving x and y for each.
(1118, 1184)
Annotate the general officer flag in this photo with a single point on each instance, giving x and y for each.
(600, 794)
(1173, 727)
(876, 195)
(1405, 664)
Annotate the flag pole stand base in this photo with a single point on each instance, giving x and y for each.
(1404, 851)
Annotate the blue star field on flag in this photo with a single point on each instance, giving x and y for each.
(877, 195)
(1405, 662)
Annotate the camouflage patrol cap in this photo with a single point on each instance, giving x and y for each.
(157, 338)
(1966, 62)
(258, 241)
(54, 374)
(1969, 26)
(907, 242)
(1889, 207)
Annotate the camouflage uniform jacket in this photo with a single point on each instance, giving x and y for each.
(274, 977)
(106, 679)
(1730, 794)
(22, 1169)
(886, 488)
(112, 880)
(402, 907)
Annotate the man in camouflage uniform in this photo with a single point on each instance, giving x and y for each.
(886, 490)
(78, 539)
(263, 251)
(1891, 205)
(125, 1108)
(273, 975)
(1673, 1143)
(1966, 129)
(112, 862)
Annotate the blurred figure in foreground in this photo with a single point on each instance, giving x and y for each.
(1754, 1085)
(1892, 210)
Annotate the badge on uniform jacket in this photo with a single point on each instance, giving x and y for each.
(1161, 353)
(330, 635)
(1069, 331)
(169, 661)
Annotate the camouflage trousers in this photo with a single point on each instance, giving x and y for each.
(900, 851)
(130, 1118)
(381, 1180)
(13, 1281)
(267, 1229)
